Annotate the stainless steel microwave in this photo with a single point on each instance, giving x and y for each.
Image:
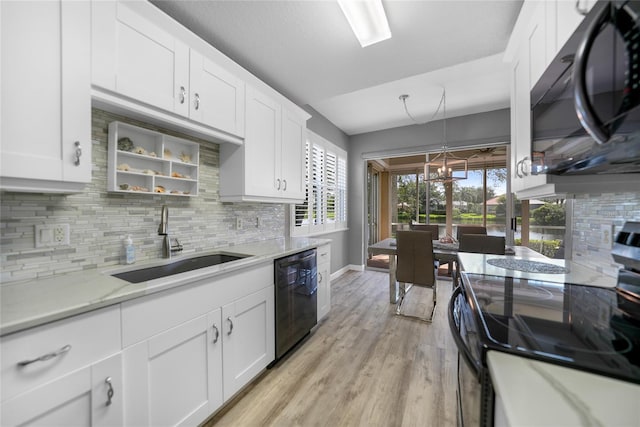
(585, 109)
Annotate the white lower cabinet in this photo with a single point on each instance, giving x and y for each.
(174, 378)
(324, 281)
(248, 338)
(62, 373)
(170, 358)
(189, 349)
(81, 398)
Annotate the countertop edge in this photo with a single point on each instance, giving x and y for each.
(569, 396)
(22, 302)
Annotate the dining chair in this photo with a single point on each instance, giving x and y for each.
(433, 228)
(481, 244)
(416, 266)
(470, 229)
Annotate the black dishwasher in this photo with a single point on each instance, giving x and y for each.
(295, 299)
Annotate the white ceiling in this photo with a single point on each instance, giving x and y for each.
(307, 51)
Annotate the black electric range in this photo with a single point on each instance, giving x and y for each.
(583, 327)
(589, 328)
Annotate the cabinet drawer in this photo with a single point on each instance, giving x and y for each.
(86, 338)
(145, 317)
(324, 254)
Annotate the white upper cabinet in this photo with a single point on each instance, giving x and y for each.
(45, 141)
(292, 153)
(217, 96)
(269, 166)
(135, 58)
(541, 30)
(262, 145)
(569, 15)
(152, 72)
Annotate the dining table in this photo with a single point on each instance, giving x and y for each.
(443, 252)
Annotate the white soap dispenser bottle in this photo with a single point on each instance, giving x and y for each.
(129, 250)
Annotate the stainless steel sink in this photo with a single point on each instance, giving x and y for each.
(180, 266)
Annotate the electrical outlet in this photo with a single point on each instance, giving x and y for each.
(51, 235)
(606, 235)
(238, 223)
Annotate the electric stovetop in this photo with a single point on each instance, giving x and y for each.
(583, 327)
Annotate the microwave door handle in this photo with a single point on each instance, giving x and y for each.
(585, 111)
(462, 346)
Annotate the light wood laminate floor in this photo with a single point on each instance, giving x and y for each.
(361, 366)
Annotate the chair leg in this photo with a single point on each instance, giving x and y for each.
(403, 292)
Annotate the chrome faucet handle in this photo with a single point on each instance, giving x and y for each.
(176, 246)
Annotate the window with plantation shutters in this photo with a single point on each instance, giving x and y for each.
(318, 185)
(325, 206)
(341, 191)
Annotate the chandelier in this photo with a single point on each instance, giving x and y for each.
(444, 166)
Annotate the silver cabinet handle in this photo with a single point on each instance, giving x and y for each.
(197, 101)
(47, 356)
(284, 188)
(320, 278)
(278, 180)
(524, 172)
(215, 329)
(230, 325)
(183, 94)
(78, 153)
(518, 169)
(109, 391)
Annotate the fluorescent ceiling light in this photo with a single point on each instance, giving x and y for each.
(367, 19)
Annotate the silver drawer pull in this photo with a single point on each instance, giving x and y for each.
(47, 356)
(109, 391)
(215, 329)
(230, 325)
(78, 153)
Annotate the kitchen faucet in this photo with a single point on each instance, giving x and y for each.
(163, 230)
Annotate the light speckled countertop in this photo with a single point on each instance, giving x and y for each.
(535, 393)
(576, 273)
(31, 303)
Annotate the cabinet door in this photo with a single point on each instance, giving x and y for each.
(175, 377)
(263, 132)
(216, 97)
(520, 121)
(324, 281)
(133, 57)
(569, 15)
(45, 81)
(249, 338)
(538, 44)
(292, 155)
(80, 398)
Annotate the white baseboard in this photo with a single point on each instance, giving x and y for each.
(346, 268)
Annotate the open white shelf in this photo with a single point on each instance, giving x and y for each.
(150, 162)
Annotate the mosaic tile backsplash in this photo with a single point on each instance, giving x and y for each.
(99, 220)
(596, 220)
